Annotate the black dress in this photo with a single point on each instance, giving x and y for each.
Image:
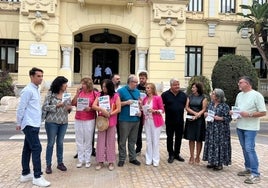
(195, 130)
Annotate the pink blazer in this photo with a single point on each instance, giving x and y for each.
(157, 105)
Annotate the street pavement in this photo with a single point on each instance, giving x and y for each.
(177, 174)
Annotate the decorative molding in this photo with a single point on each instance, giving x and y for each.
(163, 11)
(9, 6)
(48, 6)
(211, 29)
(168, 33)
(38, 26)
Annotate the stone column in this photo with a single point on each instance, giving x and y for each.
(142, 60)
(66, 57)
(66, 65)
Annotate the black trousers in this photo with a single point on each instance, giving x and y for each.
(139, 138)
(171, 130)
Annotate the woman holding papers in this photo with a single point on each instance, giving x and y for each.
(84, 121)
(195, 126)
(152, 107)
(55, 109)
(108, 104)
(217, 149)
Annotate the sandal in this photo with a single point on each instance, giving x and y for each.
(111, 166)
(99, 166)
(191, 160)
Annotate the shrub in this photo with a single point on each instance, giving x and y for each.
(202, 79)
(6, 86)
(226, 73)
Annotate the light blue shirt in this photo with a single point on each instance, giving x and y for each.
(29, 110)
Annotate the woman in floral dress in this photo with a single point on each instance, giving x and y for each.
(217, 149)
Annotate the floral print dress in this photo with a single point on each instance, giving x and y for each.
(217, 149)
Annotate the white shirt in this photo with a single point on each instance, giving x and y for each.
(29, 110)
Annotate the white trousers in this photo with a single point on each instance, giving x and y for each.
(152, 142)
(84, 130)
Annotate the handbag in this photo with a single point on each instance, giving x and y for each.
(102, 123)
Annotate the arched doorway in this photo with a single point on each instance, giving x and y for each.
(105, 57)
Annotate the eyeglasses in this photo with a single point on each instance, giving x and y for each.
(134, 82)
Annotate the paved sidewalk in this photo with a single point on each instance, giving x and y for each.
(167, 175)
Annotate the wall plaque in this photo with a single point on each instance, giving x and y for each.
(167, 54)
(38, 49)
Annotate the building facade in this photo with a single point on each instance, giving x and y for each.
(166, 38)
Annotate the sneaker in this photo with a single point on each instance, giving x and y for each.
(28, 177)
(244, 173)
(79, 165)
(61, 167)
(48, 169)
(111, 166)
(41, 182)
(88, 165)
(253, 179)
(99, 166)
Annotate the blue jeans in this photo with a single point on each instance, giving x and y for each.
(247, 142)
(32, 146)
(54, 131)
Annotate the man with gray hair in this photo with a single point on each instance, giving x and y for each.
(174, 103)
(129, 119)
(251, 107)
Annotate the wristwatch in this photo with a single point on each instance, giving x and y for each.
(250, 114)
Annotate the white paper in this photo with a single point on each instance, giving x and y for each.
(236, 112)
(82, 103)
(145, 109)
(104, 102)
(210, 117)
(66, 98)
(134, 109)
(189, 117)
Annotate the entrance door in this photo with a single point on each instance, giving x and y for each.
(104, 58)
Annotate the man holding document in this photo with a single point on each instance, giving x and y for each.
(129, 119)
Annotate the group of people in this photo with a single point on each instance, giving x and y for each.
(133, 107)
(98, 74)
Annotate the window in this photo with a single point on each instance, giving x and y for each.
(195, 6)
(225, 51)
(9, 55)
(259, 65)
(193, 61)
(227, 6)
(262, 1)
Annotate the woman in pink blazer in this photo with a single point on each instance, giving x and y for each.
(152, 106)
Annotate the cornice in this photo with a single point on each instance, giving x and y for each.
(7, 6)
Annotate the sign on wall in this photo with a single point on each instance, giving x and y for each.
(38, 49)
(167, 54)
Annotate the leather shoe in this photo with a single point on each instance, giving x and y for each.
(217, 168)
(61, 167)
(135, 162)
(210, 166)
(48, 169)
(179, 158)
(121, 163)
(75, 156)
(170, 159)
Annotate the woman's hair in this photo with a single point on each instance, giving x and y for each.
(109, 86)
(199, 86)
(88, 82)
(57, 83)
(219, 94)
(152, 86)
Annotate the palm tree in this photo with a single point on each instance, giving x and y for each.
(257, 20)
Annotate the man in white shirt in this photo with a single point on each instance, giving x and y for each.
(108, 72)
(252, 106)
(29, 120)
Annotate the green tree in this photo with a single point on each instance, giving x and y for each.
(6, 86)
(257, 21)
(201, 79)
(226, 73)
